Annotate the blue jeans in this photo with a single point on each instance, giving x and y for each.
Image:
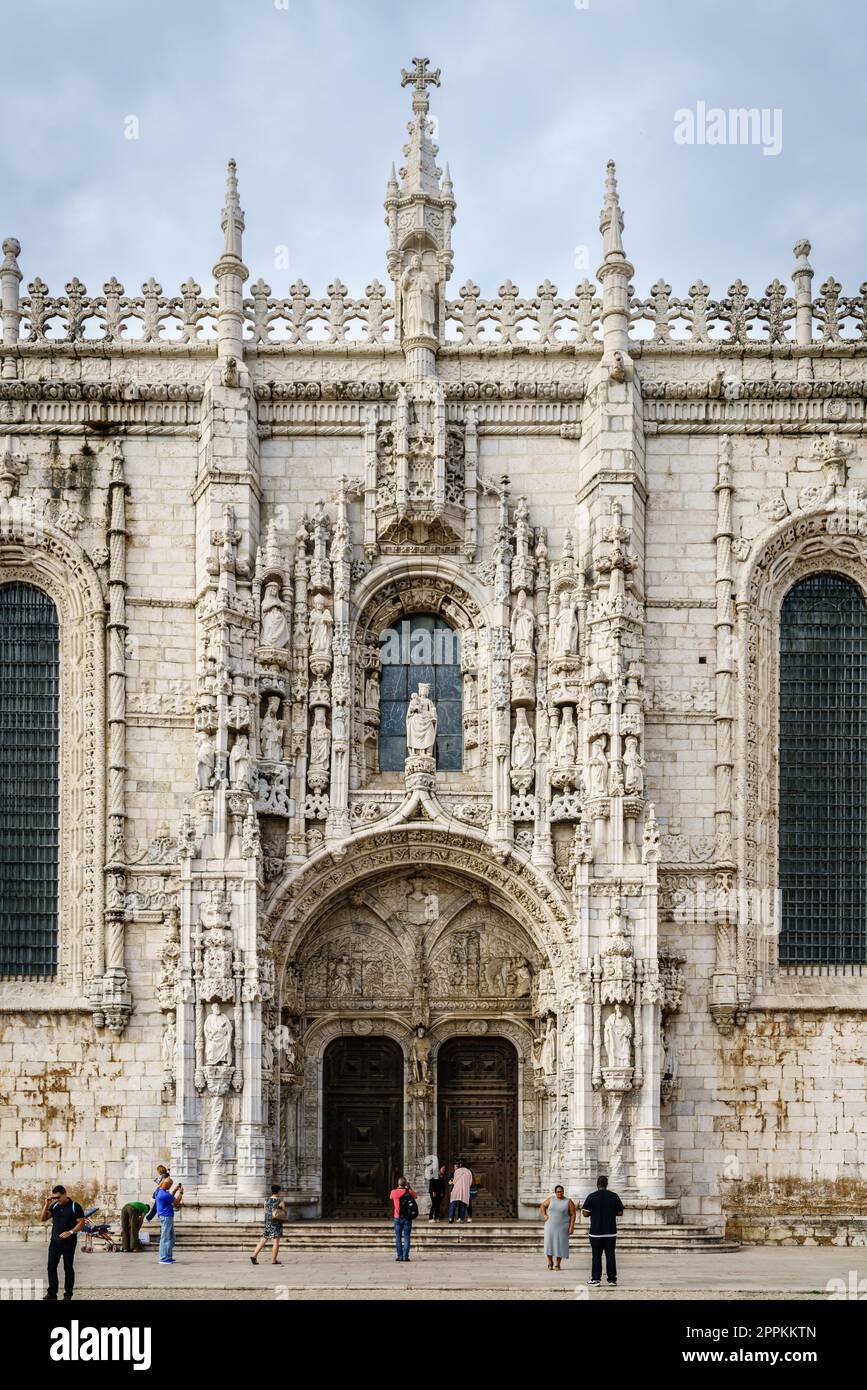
(167, 1236)
(402, 1236)
(461, 1209)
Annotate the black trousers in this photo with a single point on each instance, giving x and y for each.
(436, 1201)
(598, 1244)
(130, 1225)
(61, 1250)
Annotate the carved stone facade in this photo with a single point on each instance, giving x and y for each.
(233, 501)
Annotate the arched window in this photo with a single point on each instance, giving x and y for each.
(417, 650)
(29, 784)
(823, 772)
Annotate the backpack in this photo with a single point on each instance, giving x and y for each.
(408, 1207)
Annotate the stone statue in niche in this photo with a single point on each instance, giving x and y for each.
(371, 692)
(218, 1038)
(567, 740)
(523, 747)
(422, 904)
(421, 723)
(564, 627)
(633, 768)
(240, 764)
(522, 625)
(205, 761)
(320, 742)
(598, 769)
(421, 1055)
(321, 626)
(169, 1046)
(618, 1038)
(548, 1051)
(275, 629)
(290, 1051)
(417, 301)
(271, 732)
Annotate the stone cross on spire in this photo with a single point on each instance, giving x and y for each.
(421, 80)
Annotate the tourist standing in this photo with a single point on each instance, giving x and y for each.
(167, 1202)
(131, 1217)
(462, 1181)
(275, 1215)
(559, 1212)
(67, 1219)
(162, 1172)
(405, 1211)
(437, 1190)
(603, 1208)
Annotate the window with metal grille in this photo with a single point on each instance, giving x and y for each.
(420, 649)
(29, 784)
(823, 773)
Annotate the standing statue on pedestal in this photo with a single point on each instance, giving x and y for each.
(240, 764)
(633, 765)
(564, 629)
(205, 762)
(523, 745)
(218, 1038)
(618, 1039)
(417, 301)
(421, 1054)
(522, 625)
(421, 723)
(567, 740)
(271, 732)
(321, 625)
(275, 629)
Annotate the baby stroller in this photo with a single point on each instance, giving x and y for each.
(96, 1230)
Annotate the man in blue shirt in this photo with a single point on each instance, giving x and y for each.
(166, 1201)
(603, 1208)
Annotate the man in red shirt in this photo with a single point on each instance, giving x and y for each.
(405, 1212)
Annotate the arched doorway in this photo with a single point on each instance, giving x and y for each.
(477, 1088)
(362, 1129)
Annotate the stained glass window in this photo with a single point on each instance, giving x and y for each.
(823, 773)
(418, 650)
(29, 782)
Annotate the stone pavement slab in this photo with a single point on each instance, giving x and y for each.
(755, 1272)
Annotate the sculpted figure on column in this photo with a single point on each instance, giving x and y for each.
(421, 723)
(218, 1038)
(321, 623)
(275, 629)
(567, 739)
(522, 625)
(633, 764)
(417, 292)
(598, 769)
(271, 732)
(523, 744)
(564, 630)
(618, 1038)
(240, 764)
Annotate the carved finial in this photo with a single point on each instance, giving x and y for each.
(232, 220)
(611, 217)
(420, 173)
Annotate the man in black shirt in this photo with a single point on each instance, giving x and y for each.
(67, 1219)
(603, 1208)
(437, 1190)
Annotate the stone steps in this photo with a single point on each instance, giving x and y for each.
(515, 1236)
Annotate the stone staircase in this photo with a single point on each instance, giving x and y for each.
(439, 1238)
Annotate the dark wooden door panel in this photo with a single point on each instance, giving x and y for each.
(362, 1125)
(478, 1118)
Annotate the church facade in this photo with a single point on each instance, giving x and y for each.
(434, 728)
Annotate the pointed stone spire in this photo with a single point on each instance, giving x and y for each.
(614, 273)
(230, 274)
(420, 174)
(232, 220)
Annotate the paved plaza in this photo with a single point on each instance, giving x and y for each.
(754, 1272)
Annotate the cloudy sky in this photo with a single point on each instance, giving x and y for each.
(536, 95)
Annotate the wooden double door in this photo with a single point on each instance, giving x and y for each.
(362, 1130)
(477, 1086)
(362, 1126)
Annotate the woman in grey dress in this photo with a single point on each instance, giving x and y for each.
(559, 1213)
